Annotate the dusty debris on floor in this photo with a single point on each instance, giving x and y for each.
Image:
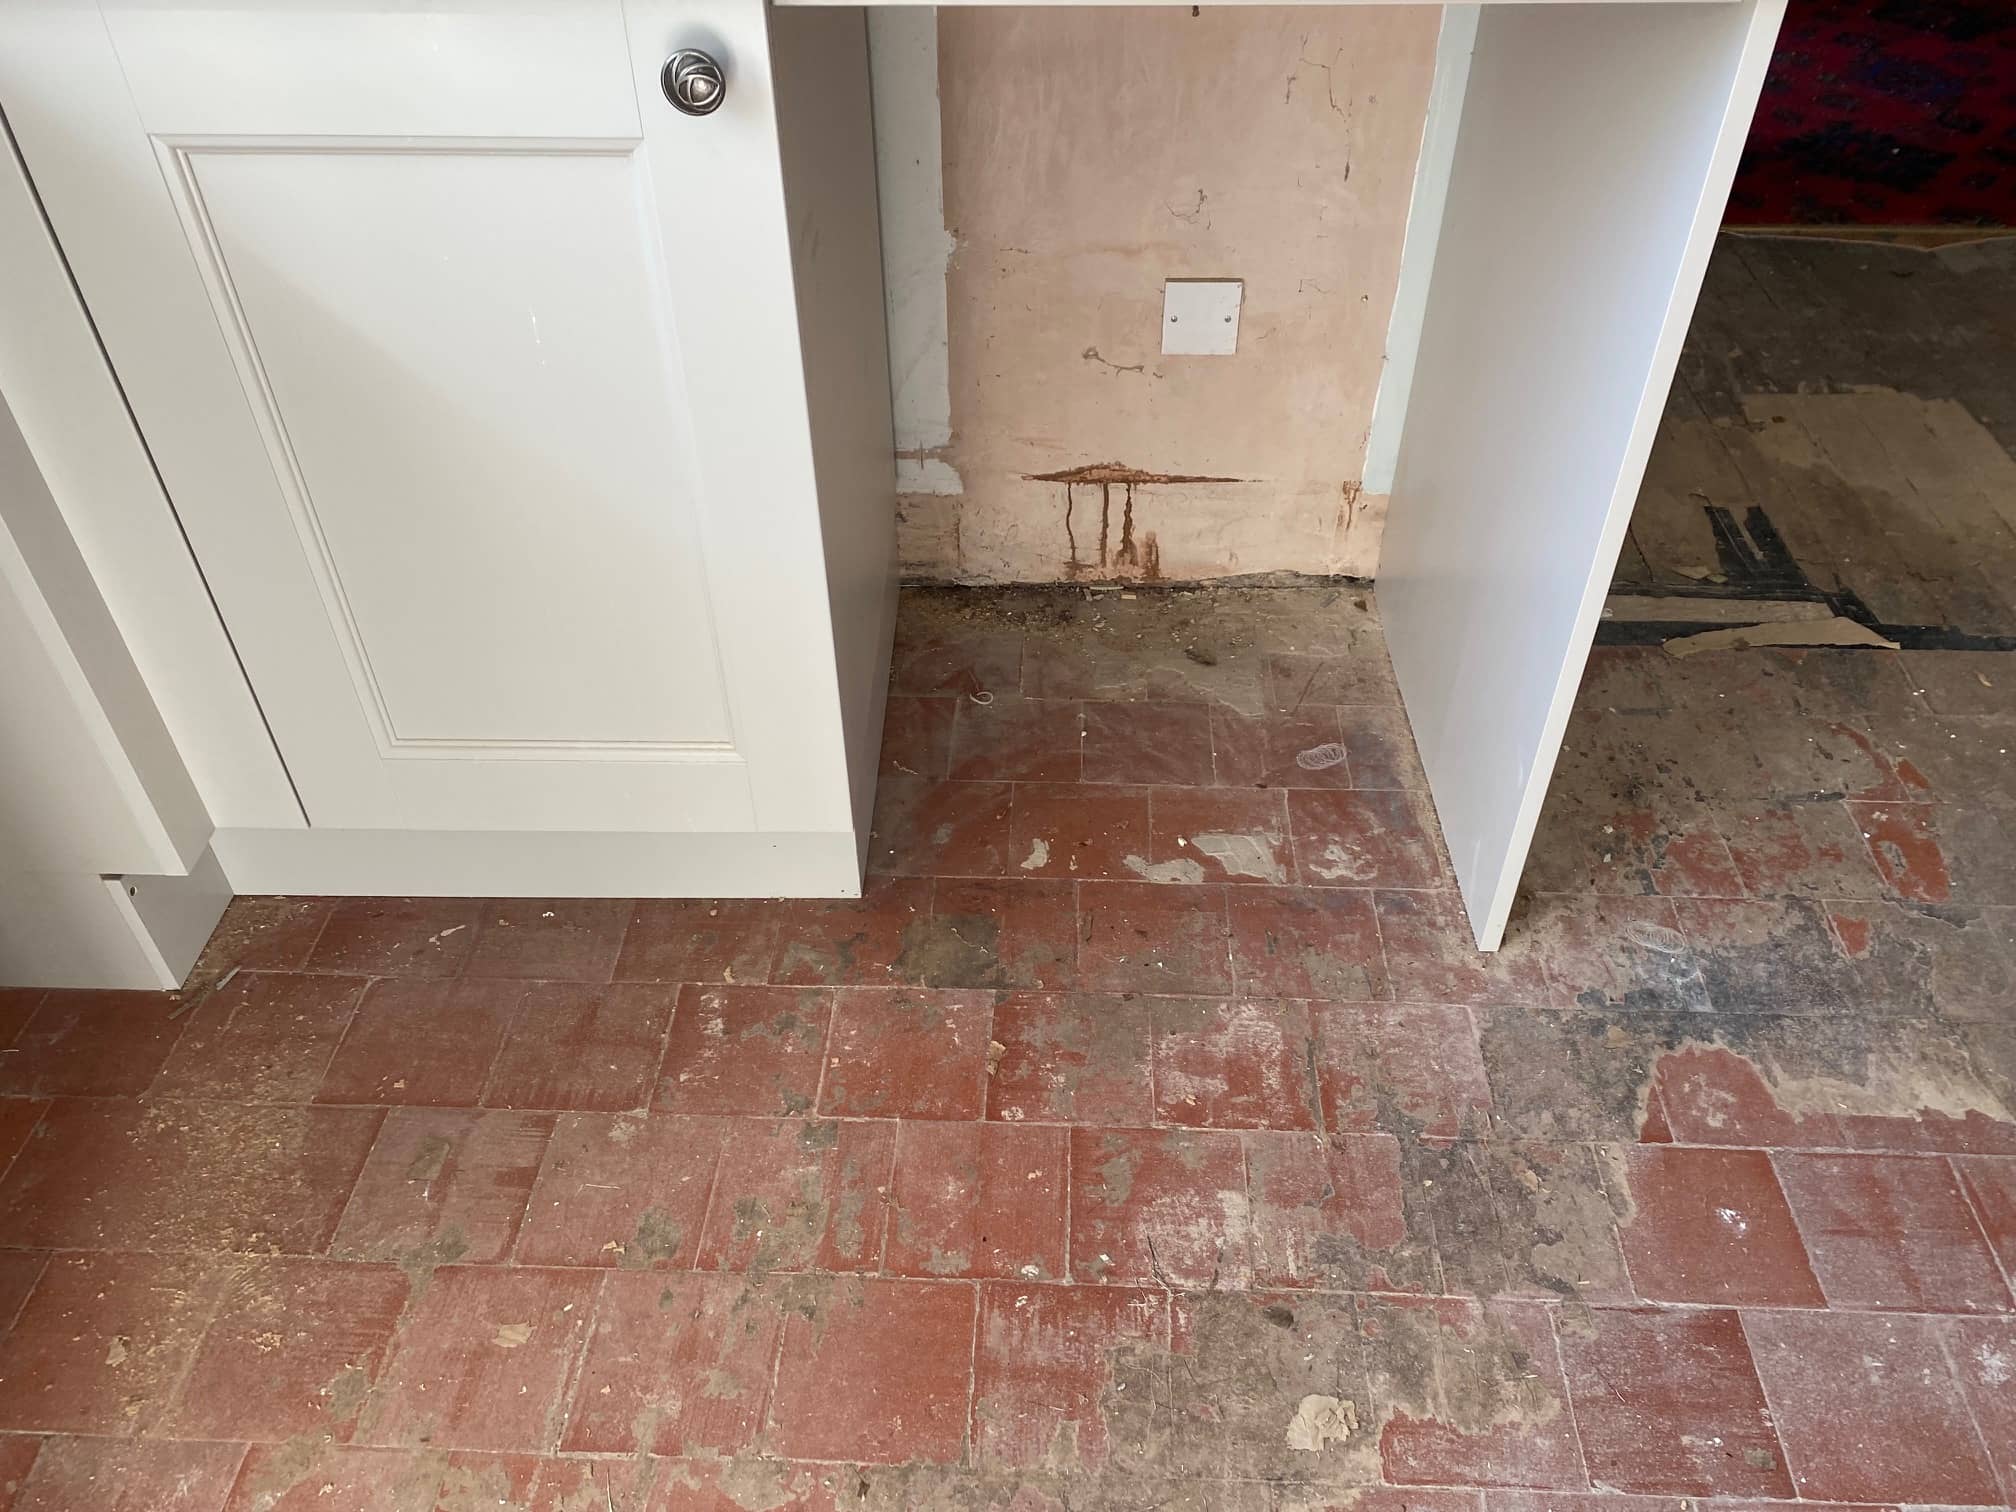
(1148, 1136)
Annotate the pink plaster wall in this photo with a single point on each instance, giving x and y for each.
(1088, 155)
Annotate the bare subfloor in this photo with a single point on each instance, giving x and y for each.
(1842, 430)
(1148, 1137)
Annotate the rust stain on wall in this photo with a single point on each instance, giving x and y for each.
(1119, 472)
(1142, 560)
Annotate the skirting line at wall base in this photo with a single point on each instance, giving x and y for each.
(515, 864)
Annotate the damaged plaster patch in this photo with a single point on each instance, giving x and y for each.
(1038, 857)
(1242, 855)
(1182, 869)
(1341, 862)
(1318, 1420)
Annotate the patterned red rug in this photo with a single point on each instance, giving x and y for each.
(1885, 112)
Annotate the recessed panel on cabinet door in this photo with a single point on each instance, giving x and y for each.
(462, 367)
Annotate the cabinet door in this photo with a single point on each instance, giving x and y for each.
(471, 367)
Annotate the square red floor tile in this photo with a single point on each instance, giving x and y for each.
(1047, 1367)
(1148, 743)
(17, 1006)
(699, 940)
(264, 934)
(1350, 1498)
(796, 1194)
(1990, 1185)
(1141, 937)
(1713, 1096)
(266, 1037)
(1892, 1231)
(1669, 1401)
(1380, 743)
(1954, 962)
(677, 1364)
(1976, 1130)
(1015, 739)
(875, 1372)
(18, 1119)
(19, 1270)
(1160, 1206)
(1407, 1068)
(1272, 750)
(1799, 848)
(90, 1044)
(1555, 1205)
(978, 1199)
(940, 829)
(628, 1192)
(756, 1050)
(294, 1349)
(1712, 1226)
(110, 1475)
(324, 1477)
(1868, 1409)
(548, 939)
(1379, 837)
(1332, 1213)
(1306, 942)
(917, 736)
(957, 662)
(1431, 958)
(103, 1341)
(731, 1485)
(1983, 1355)
(17, 1457)
(1297, 679)
(427, 937)
(1242, 1372)
(1219, 835)
(1603, 844)
(1497, 1499)
(598, 1485)
(1072, 1058)
(185, 1175)
(907, 1052)
(852, 941)
(1471, 1393)
(484, 1361)
(1904, 840)
(442, 1185)
(424, 1043)
(997, 934)
(588, 1049)
(1072, 830)
(1234, 1065)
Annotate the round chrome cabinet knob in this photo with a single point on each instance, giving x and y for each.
(693, 82)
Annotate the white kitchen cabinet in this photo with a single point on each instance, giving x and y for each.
(530, 434)
(509, 509)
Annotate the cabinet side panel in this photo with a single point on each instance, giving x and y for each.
(1595, 153)
(74, 420)
(826, 134)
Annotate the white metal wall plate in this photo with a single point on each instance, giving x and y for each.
(1200, 316)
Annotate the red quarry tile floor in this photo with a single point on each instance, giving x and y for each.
(1147, 1136)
